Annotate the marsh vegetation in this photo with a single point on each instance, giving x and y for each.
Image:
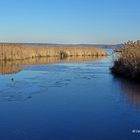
(128, 64)
(18, 52)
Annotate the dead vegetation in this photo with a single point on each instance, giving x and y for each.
(18, 52)
(128, 64)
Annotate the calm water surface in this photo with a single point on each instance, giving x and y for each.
(57, 100)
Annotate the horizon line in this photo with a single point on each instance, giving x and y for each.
(48, 43)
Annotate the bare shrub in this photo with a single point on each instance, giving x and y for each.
(128, 64)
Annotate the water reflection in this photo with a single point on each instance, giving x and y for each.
(13, 67)
(131, 90)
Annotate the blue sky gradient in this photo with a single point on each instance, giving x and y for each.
(69, 21)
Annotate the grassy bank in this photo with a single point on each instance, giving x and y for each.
(18, 52)
(128, 64)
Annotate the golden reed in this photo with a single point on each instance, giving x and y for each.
(20, 52)
(128, 64)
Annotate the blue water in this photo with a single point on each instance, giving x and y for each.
(69, 101)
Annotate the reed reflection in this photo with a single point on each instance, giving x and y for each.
(13, 67)
(131, 90)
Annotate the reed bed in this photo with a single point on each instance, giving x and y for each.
(128, 64)
(18, 52)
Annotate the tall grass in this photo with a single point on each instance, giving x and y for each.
(17, 52)
(128, 64)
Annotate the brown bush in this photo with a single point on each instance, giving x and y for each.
(128, 64)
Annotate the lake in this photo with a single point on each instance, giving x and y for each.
(71, 99)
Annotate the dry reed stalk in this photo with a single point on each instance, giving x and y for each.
(128, 64)
(18, 52)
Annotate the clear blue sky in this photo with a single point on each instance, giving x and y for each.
(69, 21)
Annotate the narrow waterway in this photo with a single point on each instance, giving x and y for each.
(67, 100)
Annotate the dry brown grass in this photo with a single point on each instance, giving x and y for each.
(128, 64)
(18, 52)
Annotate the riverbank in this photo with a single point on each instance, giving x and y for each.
(128, 64)
(20, 52)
